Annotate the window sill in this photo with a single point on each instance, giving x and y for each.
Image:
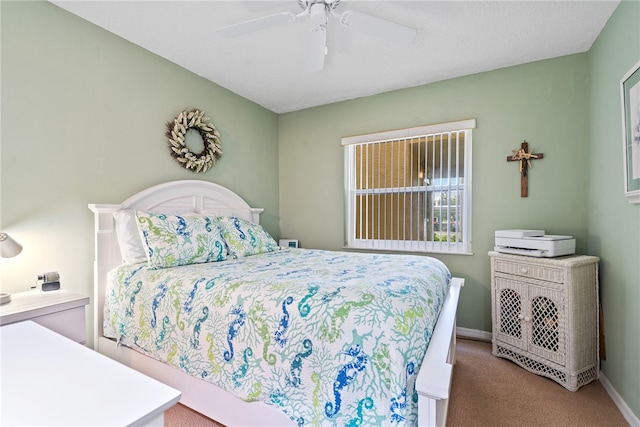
(413, 251)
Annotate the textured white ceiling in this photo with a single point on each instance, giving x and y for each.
(455, 38)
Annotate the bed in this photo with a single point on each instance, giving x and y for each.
(288, 376)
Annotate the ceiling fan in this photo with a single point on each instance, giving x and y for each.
(319, 12)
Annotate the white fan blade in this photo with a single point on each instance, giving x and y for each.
(256, 24)
(378, 27)
(316, 48)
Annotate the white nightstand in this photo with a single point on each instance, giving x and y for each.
(61, 311)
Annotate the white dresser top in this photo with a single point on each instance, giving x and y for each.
(47, 379)
(30, 304)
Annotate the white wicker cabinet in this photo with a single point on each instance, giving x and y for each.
(545, 315)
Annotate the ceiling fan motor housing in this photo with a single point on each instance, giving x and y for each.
(304, 4)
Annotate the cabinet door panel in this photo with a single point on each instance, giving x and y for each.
(548, 324)
(510, 299)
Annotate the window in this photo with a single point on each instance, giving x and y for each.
(410, 189)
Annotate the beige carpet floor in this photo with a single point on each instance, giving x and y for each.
(493, 392)
(181, 416)
(490, 391)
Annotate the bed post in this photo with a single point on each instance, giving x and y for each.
(106, 256)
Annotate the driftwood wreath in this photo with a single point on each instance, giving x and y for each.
(177, 132)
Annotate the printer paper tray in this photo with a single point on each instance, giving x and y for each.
(540, 253)
(520, 251)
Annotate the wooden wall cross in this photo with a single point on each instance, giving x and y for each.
(524, 156)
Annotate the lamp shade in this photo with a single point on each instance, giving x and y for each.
(8, 247)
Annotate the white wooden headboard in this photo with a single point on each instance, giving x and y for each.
(175, 196)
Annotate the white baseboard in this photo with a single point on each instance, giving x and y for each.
(473, 334)
(628, 415)
(620, 403)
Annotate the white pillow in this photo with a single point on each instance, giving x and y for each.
(131, 247)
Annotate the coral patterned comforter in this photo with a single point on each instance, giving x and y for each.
(331, 338)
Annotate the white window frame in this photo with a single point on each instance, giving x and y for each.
(349, 143)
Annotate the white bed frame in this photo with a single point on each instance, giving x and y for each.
(433, 381)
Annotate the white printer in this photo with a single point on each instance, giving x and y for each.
(534, 243)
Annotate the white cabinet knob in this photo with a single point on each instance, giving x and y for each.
(527, 318)
(524, 270)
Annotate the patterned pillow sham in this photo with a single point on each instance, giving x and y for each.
(173, 240)
(244, 238)
(131, 247)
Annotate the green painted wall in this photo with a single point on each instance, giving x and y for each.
(613, 223)
(83, 121)
(543, 102)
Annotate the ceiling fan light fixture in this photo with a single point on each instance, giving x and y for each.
(318, 13)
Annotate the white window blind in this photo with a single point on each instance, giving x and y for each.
(410, 189)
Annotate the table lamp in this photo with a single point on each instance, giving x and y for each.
(8, 249)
